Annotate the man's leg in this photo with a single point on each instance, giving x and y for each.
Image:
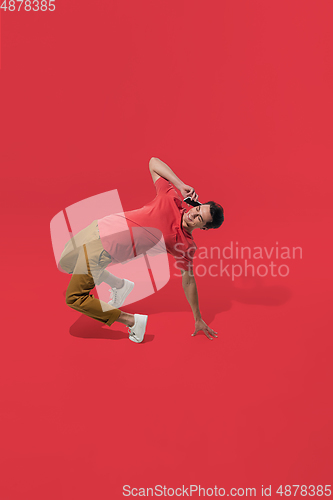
(70, 254)
(111, 280)
(120, 288)
(87, 264)
(82, 282)
(79, 298)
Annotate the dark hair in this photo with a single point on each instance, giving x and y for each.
(217, 213)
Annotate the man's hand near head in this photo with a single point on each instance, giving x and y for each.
(188, 191)
(158, 169)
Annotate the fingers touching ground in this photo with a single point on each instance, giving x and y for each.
(207, 331)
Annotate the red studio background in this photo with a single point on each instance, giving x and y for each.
(236, 97)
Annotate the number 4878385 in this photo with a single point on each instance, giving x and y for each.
(27, 5)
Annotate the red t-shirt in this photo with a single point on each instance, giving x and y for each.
(132, 233)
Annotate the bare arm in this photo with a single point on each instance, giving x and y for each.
(160, 169)
(191, 292)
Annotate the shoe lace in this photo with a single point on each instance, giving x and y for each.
(114, 293)
(131, 334)
(130, 328)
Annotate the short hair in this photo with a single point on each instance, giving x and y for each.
(217, 213)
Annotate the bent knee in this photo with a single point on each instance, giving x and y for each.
(76, 300)
(72, 299)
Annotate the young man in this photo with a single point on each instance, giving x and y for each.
(110, 239)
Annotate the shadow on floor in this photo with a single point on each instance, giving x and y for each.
(171, 298)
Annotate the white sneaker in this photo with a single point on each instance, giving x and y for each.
(137, 331)
(119, 294)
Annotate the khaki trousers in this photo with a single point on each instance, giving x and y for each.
(85, 258)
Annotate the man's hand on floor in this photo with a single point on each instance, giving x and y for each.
(200, 325)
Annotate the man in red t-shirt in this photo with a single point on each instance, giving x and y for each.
(165, 216)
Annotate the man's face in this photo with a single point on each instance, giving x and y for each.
(197, 217)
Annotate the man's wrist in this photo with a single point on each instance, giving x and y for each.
(179, 184)
(197, 317)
